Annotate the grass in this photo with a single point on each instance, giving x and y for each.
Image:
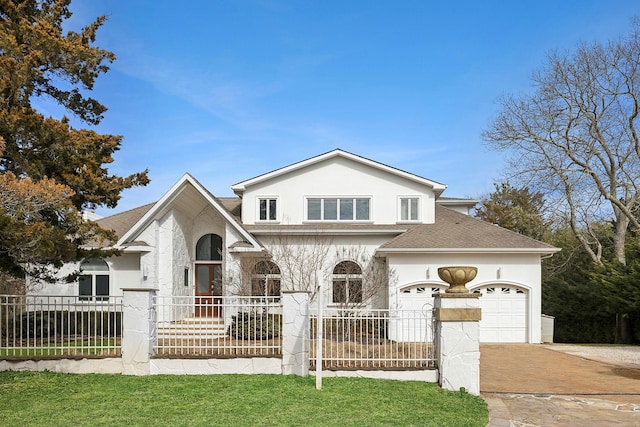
(44, 348)
(46, 398)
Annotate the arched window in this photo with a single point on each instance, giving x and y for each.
(265, 279)
(347, 283)
(93, 280)
(209, 248)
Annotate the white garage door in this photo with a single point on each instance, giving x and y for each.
(418, 297)
(504, 314)
(414, 324)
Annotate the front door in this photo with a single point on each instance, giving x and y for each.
(208, 290)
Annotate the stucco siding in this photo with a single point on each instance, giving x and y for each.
(124, 271)
(334, 249)
(183, 248)
(521, 270)
(332, 178)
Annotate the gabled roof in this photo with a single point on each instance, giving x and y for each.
(187, 181)
(456, 232)
(240, 187)
(452, 232)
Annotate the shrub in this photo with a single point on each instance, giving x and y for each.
(42, 324)
(252, 326)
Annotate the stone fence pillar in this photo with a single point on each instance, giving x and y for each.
(138, 330)
(295, 333)
(457, 340)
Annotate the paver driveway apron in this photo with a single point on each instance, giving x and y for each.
(537, 385)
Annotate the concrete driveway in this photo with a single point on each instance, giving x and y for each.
(534, 385)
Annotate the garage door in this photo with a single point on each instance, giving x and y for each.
(504, 314)
(418, 297)
(415, 304)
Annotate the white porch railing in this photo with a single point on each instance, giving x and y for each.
(218, 327)
(374, 339)
(59, 326)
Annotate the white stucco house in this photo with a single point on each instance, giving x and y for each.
(334, 215)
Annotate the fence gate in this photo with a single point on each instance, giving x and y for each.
(374, 339)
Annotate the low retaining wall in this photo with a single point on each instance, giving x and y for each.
(162, 366)
(249, 365)
(68, 366)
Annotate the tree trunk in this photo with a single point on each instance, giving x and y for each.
(621, 226)
(624, 328)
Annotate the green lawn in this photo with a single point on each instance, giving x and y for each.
(94, 347)
(46, 398)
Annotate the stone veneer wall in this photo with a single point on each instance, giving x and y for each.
(457, 341)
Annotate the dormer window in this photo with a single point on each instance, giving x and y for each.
(339, 209)
(267, 209)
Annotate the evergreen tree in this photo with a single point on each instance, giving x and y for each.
(49, 170)
(516, 209)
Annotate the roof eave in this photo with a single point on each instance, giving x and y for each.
(347, 232)
(540, 251)
(240, 187)
(136, 249)
(187, 179)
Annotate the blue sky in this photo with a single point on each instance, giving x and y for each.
(227, 90)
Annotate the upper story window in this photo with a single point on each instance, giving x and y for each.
(339, 209)
(409, 209)
(209, 248)
(93, 280)
(268, 209)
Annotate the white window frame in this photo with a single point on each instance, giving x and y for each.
(338, 200)
(409, 209)
(259, 200)
(347, 280)
(93, 275)
(265, 279)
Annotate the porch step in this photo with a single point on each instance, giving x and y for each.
(194, 327)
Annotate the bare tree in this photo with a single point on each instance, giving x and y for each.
(357, 277)
(301, 258)
(575, 138)
(292, 263)
(297, 260)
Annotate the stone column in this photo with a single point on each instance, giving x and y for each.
(138, 330)
(457, 341)
(295, 333)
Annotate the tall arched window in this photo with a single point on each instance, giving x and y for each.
(265, 279)
(209, 248)
(93, 280)
(347, 283)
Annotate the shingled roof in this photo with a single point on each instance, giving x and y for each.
(456, 231)
(123, 221)
(452, 231)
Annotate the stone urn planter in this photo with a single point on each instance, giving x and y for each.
(457, 277)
